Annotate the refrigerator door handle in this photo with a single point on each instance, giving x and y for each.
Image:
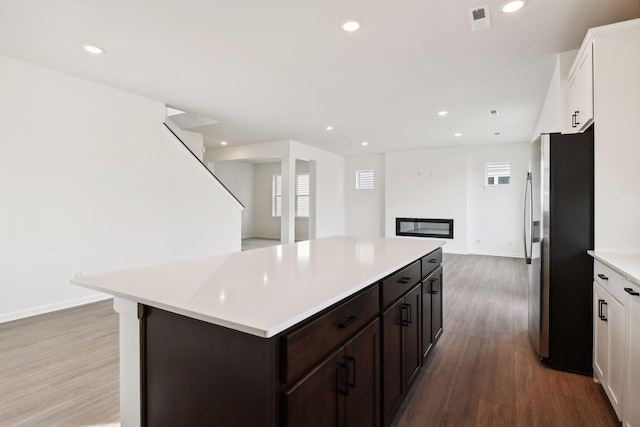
(528, 190)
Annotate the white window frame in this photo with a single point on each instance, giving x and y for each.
(275, 196)
(300, 195)
(496, 176)
(362, 180)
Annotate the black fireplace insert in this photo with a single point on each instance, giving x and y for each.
(425, 227)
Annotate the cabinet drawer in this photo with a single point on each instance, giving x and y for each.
(431, 261)
(610, 279)
(311, 343)
(399, 283)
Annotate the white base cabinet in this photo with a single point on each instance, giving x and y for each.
(632, 418)
(610, 343)
(616, 331)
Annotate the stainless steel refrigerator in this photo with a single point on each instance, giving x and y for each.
(558, 231)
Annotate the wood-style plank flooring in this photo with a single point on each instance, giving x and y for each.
(61, 369)
(483, 371)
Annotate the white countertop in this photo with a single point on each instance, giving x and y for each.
(264, 291)
(627, 264)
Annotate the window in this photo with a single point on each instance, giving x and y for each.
(276, 205)
(365, 179)
(302, 195)
(498, 174)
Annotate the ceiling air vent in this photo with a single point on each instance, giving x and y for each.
(479, 18)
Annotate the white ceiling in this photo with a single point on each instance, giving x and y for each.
(270, 70)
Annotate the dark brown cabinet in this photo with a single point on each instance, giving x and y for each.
(349, 365)
(431, 311)
(401, 352)
(344, 390)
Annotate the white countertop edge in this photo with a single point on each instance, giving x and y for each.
(259, 329)
(173, 309)
(256, 330)
(627, 264)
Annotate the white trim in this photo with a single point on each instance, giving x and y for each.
(485, 253)
(454, 251)
(500, 254)
(601, 31)
(130, 370)
(49, 308)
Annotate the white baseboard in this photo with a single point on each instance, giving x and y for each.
(454, 251)
(34, 311)
(501, 254)
(487, 253)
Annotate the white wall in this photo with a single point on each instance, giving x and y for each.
(495, 214)
(237, 176)
(449, 183)
(192, 140)
(428, 184)
(326, 172)
(329, 200)
(553, 116)
(265, 225)
(365, 208)
(90, 182)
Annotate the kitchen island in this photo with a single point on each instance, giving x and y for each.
(279, 335)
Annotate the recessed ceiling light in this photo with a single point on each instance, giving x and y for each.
(329, 128)
(457, 134)
(443, 113)
(511, 6)
(364, 143)
(223, 142)
(93, 49)
(351, 25)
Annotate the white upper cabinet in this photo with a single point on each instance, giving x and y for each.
(616, 114)
(580, 90)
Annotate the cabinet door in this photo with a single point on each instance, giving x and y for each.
(427, 342)
(600, 334)
(411, 336)
(617, 347)
(362, 356)
(585, 95)
(580, 93)
(572, 102)
(633, 397)
(436, 305)
(392, 357)
(318, 398)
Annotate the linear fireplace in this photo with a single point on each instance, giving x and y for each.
(425, 227)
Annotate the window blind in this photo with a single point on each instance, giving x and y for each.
(365, 179)
(498, 173)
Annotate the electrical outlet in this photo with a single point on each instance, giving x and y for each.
(76, 274)
(477, 241)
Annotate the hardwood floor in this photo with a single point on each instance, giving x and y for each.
(248, 244)
(61, 369)
(483, 372)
